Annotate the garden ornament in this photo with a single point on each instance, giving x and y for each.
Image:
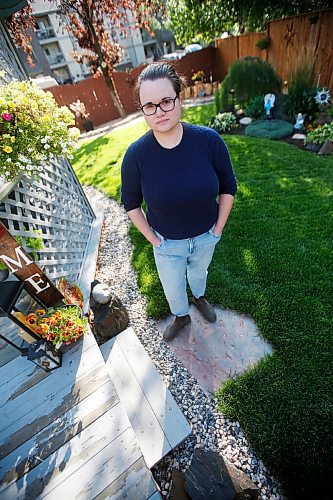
(110, 315)
(269, 100)
(299, 121)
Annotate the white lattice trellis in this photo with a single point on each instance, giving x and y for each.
(56, 205)
(9, 61)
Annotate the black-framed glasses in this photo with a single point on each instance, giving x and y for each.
(166, 105)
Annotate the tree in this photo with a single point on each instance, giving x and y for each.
(195, 20)
(87, 21)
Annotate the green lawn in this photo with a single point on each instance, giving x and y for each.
(274, 264)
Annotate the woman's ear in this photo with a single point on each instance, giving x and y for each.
(181, 97)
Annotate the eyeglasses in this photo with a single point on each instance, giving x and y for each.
(165, 105)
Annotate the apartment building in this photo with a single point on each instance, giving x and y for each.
(53, 46)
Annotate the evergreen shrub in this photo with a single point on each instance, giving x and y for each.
(249, 77)
(255, 108)
(301, 93)
(271, 129)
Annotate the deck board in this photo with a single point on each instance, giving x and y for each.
(32, 410)
(131, 484)
(66, 433)
(63, 429)
(72, 456)
(152, 410)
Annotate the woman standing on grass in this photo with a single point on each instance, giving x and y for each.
(179, 170)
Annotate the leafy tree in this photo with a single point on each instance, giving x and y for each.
(87, 21)
(195, 20)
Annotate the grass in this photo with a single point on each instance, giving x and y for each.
(274, 264)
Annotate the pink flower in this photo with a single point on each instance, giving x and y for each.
(7, 117)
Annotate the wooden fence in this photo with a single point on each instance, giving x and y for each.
(295, 40)
(96, 96)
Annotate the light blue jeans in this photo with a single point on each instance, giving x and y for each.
(176, 258)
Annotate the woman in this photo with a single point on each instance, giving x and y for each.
(179, 170)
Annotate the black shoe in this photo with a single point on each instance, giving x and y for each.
(176, 326)
(205, 308)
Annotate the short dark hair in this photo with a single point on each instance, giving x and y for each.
(158, 70)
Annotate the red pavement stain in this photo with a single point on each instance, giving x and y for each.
(215, 352)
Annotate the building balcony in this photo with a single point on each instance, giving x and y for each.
(56, 59)
(45, 34)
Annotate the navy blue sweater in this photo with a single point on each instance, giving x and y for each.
(179, 185)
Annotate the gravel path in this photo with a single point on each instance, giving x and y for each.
(210, 429)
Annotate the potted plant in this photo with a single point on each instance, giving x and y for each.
(33, 245)
(33, 129)
(198, 76)
(79, 108)
(264, 43)
(60, 326)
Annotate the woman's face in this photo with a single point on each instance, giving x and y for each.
(155, 91)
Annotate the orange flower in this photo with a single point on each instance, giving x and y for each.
(44, 328)
(31, 319)
(41, 312)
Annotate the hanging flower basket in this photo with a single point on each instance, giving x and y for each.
(33, 130)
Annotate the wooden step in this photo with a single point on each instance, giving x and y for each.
(65, 434)
(155, 416)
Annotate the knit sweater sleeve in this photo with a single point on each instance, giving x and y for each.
(131, 190)
(223, 167)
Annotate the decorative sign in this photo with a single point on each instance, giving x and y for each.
(26, 270)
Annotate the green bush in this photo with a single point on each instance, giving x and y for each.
(255, 108)
(223, 122)
(217, 99)
(249, 77)
(301, 93)
(271, 129)
(320, 134)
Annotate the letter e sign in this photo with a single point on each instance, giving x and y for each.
(25, 269)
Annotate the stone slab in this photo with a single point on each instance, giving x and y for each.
(215, 352)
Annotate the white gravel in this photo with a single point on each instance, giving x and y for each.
(210, 429)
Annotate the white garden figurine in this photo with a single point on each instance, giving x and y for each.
(269, 101)
(299, 121)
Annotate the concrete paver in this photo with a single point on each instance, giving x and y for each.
(214, 352)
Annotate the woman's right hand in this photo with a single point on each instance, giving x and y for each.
(156, 242)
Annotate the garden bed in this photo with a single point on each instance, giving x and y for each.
(295, 142)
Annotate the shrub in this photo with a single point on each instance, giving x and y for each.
(329, 111)
(320, 134)
(249, 77)
(223, 122)
(255, 108)
(271, 129)
(301, 94)
(217, 99)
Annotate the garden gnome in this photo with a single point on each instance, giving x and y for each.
(269, 100)
(110, 316)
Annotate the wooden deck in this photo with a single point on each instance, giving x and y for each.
(154, 414)
(65, 434)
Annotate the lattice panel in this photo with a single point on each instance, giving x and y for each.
(56, 205)
(9, 61)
